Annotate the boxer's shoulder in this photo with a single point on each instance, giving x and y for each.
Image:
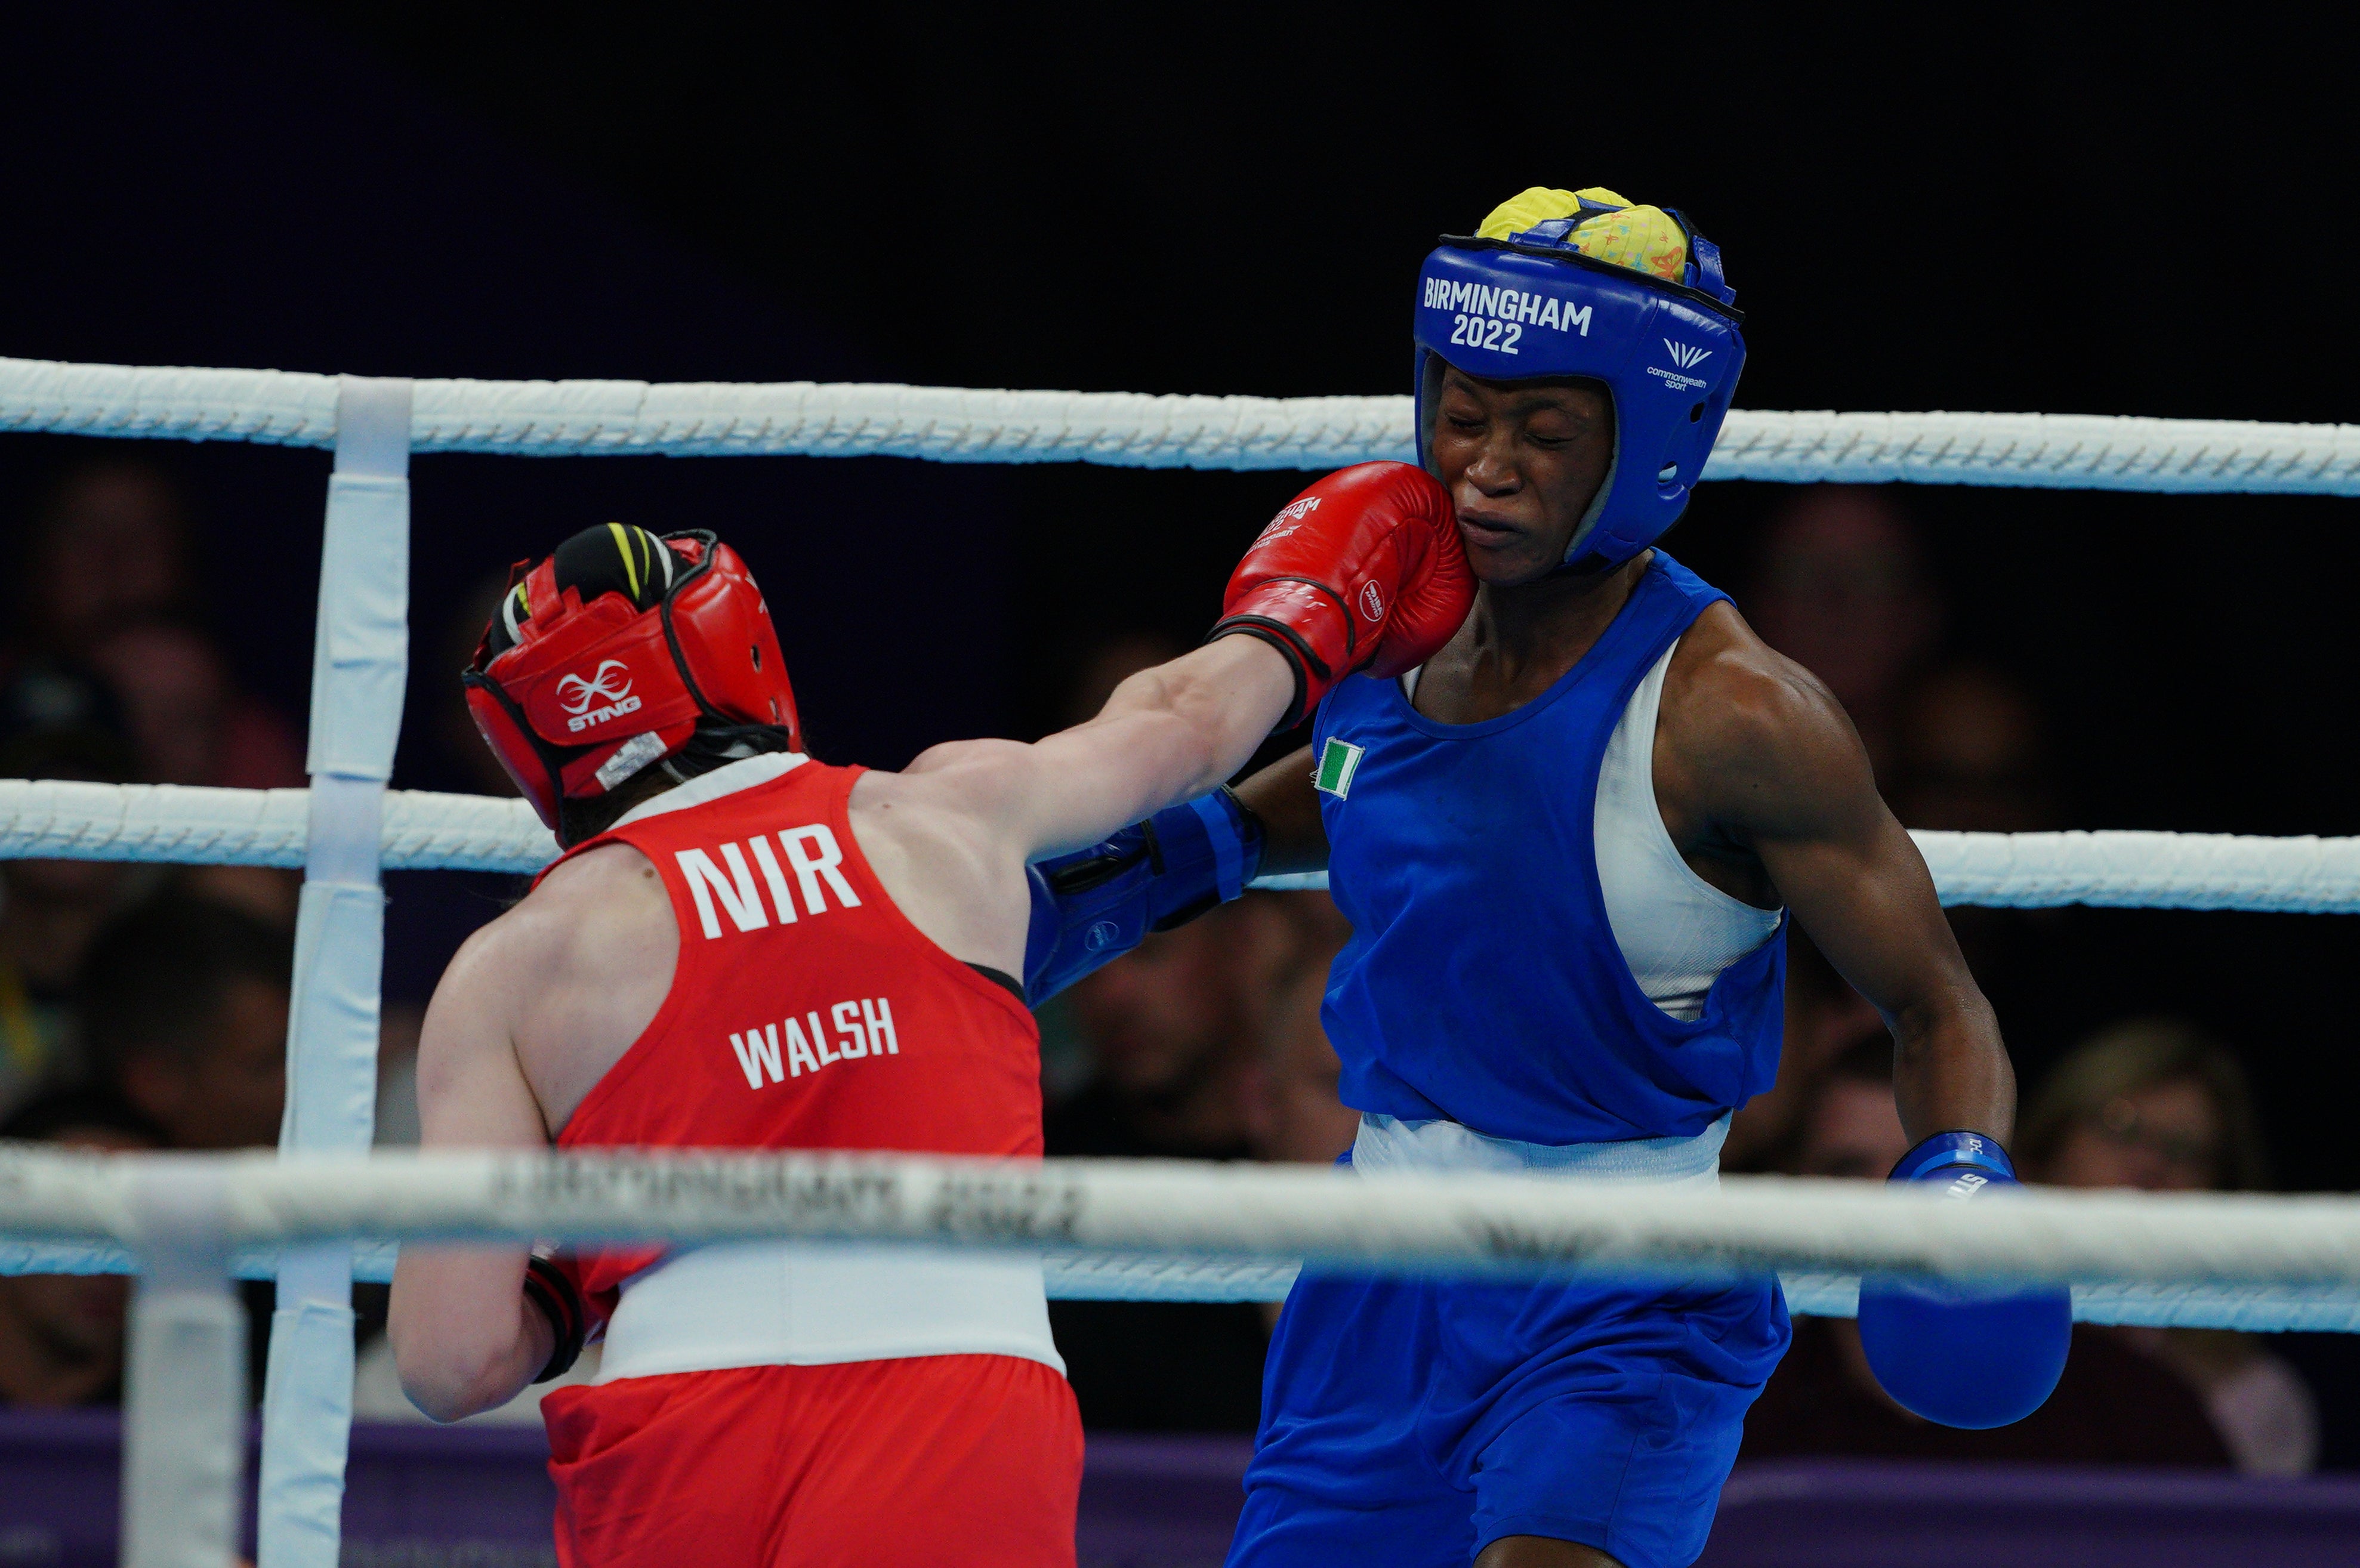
(932, 830)
(568, 976)
(1738, 715)
(610, 892)
(1748, 742)
(599, 924)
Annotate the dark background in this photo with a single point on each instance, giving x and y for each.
(1961, 215)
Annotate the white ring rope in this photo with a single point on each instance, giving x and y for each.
(48, 819)
(188, 825)
(1071, 1276)
(1193, 1231)
(554, 419)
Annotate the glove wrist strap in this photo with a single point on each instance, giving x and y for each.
(1949, 1150)
(553, 1293)
(1236, 833)
(1312, 677)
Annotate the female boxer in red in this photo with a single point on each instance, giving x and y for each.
(746, 948)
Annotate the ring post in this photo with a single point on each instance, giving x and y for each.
(360, 663)
(184, 1405)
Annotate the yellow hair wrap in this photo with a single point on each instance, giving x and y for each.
(1643, 239)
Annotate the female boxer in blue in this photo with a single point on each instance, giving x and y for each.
(1570, 846)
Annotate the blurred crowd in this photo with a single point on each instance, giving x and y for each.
(146, 1007)
(141, 1006)
(110, 674)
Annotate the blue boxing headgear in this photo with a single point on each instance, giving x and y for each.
(1532, 306)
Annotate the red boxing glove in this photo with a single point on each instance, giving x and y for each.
(1363, 571)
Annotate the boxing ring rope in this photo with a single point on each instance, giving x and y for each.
(185, 1219)
(1459, 1223)
(423, 832)
(589, 418)
(1164, 1275)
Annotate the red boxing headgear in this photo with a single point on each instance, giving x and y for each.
(575, 695)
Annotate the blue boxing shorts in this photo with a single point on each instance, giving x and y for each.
(1415, 1421)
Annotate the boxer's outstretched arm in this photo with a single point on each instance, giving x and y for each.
(465, 1338)
(1769, 754)
(1365, 570)
(1168, 734)
(950, 835)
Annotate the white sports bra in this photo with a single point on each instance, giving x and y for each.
(1676, 930)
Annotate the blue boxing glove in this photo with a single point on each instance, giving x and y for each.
(1965, 1355)
(1097, 904)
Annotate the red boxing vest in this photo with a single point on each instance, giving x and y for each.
(805, 1011)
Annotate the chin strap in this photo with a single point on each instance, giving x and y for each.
(1589, 566)
(1593, 514)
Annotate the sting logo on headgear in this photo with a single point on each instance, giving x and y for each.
(1621, 286)
(671, 631)
(612, 682)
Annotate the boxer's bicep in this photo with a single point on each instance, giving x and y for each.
(471, 1092)
(1863, 894)
(1794, 783)
(464, 1338)
(1789, 779)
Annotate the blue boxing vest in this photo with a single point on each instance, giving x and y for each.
(1482, 983)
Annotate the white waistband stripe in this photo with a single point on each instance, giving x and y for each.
(1386, 1144)
(814, 1303)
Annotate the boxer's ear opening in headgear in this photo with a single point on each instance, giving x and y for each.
(621, 651)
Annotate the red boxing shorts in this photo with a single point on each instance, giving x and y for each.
(912, 1463)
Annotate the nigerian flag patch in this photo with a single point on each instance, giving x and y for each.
(1339, 761)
